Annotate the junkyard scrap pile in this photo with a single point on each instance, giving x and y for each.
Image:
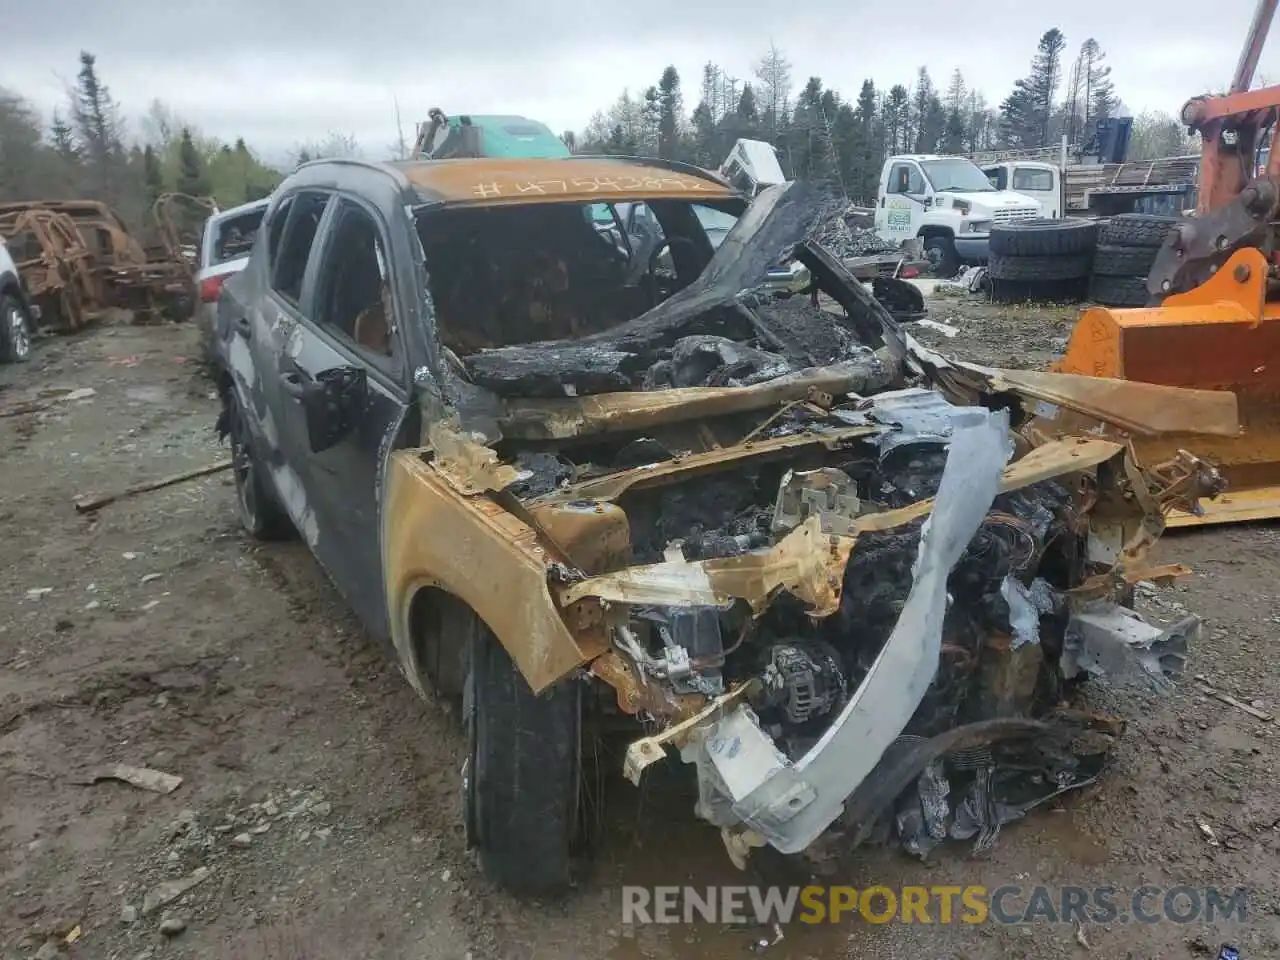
(78, 259)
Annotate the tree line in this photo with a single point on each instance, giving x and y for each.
(86, 150)
(841, 143)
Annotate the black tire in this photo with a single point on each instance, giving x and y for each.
(1135, 230)
(260, 512)
(1068, 267)
(1109, 261)
(1043, 237)
(1119, 291)
(940, 251)
(15, 330)
(522, 781)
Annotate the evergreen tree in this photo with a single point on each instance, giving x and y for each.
(192, 179)
(670, 109)
(152, 175)
(97, 125)
(63, 138)
(1044, 80)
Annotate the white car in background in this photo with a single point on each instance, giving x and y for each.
(224, 251)
(16, 313)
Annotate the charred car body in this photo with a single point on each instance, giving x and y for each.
(569, 490)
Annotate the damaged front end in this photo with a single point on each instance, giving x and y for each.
(843, 577)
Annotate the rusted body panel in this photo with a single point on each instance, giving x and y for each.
(78, 259)
(493, 182)
(477, 551)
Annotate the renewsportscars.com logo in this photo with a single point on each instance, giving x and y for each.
(940, 904)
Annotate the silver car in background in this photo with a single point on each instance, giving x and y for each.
(224, 251)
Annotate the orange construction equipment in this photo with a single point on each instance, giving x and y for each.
(1215, 286)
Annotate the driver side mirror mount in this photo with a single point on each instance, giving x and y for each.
(332, 402)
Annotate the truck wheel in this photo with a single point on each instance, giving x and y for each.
(521, 779)
(1068, 267)
(1109, 261)
(1135, 230)
(260, 513)
(1043, 237)
(942, 256)
(1119, 291)
(15, 331)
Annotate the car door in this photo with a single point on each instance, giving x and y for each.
(349, 323)
(902, 214)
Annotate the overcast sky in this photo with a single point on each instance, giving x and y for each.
(278, 72)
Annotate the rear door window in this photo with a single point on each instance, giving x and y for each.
(290, 256)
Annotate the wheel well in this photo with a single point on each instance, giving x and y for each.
(440, 626)
(929, 233)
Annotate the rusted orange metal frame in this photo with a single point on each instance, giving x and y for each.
(1226, 168)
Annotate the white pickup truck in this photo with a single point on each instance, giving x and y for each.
(949, 203)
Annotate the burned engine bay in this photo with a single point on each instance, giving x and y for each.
(852, 588)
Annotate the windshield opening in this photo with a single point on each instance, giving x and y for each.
(956, 174)
(510, 275)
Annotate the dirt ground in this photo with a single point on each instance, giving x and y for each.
(319, 797)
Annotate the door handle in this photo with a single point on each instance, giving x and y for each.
(244, 327)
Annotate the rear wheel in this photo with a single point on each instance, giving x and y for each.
(260, 512)
(15, 331)
(522, 777)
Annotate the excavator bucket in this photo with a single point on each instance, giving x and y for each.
(1222, 335)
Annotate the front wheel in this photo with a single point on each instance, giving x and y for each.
(942, 256)
(521, 780)
(15, 331)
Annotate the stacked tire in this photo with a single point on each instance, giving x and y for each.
(1041, 257)
(1127, 248)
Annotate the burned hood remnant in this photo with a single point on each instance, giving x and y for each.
(717, 331)
(851, 583)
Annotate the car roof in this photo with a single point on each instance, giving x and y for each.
(508, 181)
(244, 208)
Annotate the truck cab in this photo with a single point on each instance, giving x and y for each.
(1041, 182)
(949, 203)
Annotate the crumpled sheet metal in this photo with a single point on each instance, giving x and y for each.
(615, 412)
(615, 485)
(790, 804)
(1115, 643)
(1144, 409)
(806, 563)
(469, 467)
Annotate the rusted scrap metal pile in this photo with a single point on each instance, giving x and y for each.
(852, 581)
(78, 259)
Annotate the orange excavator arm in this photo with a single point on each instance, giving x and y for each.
(1231, 126)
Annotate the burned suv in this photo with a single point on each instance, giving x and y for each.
(571, 488)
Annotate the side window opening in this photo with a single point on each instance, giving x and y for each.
(275, 229)
(1031, 178)
(290, 264)
(905, 178)
(353, 297)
